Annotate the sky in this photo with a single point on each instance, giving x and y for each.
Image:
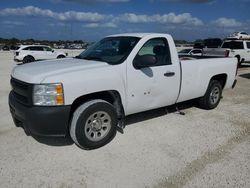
(90, 20)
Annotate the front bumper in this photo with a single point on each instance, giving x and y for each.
(17, 60)
(40, 121)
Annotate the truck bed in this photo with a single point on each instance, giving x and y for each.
(197, 73)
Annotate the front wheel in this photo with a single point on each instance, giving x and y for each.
(60, 56)
(28, 59)
(212, 97)
(93, 124)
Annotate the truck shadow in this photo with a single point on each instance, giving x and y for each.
(246, 65)
(54, 141)
(129, 120)
(247, 75)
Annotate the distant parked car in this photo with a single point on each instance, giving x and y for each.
(30, 53)
(5, 48)
(13, 47)
(208, 43)
(239, 49)
(191, 52)
(231, 48)
(239, 35)
(212, 43)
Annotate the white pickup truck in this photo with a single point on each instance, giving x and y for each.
(87, 97)
(231, 48)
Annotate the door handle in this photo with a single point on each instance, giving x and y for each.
(169, 74)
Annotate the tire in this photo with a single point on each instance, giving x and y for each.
(60, 56)
(93, 124)
(212, 97)
(28, 59)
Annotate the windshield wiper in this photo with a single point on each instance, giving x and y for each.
(93, 58)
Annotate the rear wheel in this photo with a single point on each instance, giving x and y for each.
(93, 124)
(60, 56)
(212, 97)
(28, 59)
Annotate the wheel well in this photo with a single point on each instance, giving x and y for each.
(61, 56)
(112, 96)
(238, 57)
(222, 78)
(29, 56)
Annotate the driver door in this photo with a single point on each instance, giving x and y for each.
(155, 86)
(49, 53)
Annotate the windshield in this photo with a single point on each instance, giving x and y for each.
(185, 51)
(112, 50)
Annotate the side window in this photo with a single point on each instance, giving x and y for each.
(239, 45)
(196, 51)
(27, 48)
(36, 48)
(39, 48)
(248, 45)
(159, 48)
(47, 49)
(32, 48)
(233, 45)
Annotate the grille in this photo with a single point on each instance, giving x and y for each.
(22, 91)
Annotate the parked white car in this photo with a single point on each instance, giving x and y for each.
(239, 35)
(88, 97)
(30, 53)
(231, 48)
(190, 52)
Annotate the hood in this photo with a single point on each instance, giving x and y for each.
(36, 72)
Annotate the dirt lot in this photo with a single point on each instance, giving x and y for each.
(158, 149)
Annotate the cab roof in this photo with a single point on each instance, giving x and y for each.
(139, 35)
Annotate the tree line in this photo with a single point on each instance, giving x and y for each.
(15, 41)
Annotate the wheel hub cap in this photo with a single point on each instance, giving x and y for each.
(214, 95)
(97, 126)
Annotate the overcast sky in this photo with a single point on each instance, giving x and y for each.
(90, 20)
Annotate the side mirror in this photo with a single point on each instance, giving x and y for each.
(52, 51)
(144, 61)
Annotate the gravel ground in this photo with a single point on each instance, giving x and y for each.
(159, 148)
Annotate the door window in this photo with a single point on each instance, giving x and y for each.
(233, 45)
(159, 48)
(196, 51)
(36, 48)
(27, 48)
(47, 49)
(248, 45)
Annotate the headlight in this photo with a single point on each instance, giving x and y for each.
(48, 95)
